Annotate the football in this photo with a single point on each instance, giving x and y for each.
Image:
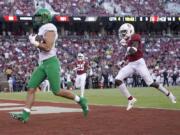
(39, 38)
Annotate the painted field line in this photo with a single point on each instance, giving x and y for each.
(47, 110)
(11, 108)
(158, 108)
(139, 107)
(9, 104)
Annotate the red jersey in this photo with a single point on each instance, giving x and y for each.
(139, 54)
(81, 67)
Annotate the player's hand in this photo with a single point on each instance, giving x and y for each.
(131, 50)
(123, 42)
(32, 39)
(121, 63)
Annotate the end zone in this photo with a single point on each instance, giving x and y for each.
(15, 107)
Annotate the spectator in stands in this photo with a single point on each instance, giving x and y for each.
(165, 76)
(10, 82)
(8, 72)
(110, 80)
(174, 78)
(45, 86)
(23, 59)
(94, 7)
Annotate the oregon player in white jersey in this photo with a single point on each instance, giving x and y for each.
(49, 66)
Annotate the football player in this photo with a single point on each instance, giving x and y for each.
(136, 63)
(49, 67)
(81, 67)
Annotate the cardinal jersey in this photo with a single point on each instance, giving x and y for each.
(81, 67)
(139, 54)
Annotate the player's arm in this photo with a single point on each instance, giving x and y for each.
(87, 66)
(74, 66)
(121, 63)
(48, 43)
(133, 49)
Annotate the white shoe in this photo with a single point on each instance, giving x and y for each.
(172, 98)
(131, 103)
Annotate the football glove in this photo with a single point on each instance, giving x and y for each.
(120, 63)
(123, 42)
(32, 39)
(131, 50)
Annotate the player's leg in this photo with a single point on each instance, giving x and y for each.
(48, 86)
(145, 74)
(43, 86)
(78, 81)
(45, 89)
(83, 83)
(124, 73)
(53, 74)
(37, 77)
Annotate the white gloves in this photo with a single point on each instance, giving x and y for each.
(120, 63)
(134, 48)
(123, 42)
(32, 39)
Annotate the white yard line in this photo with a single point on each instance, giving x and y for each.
(157, 108)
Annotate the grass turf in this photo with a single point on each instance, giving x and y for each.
(147, 97)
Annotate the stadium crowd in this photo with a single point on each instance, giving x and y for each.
(103, 53)
(94, 7)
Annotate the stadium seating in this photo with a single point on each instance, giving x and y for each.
(93, 7)
(105, 52)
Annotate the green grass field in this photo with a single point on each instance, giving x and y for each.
(147, 97)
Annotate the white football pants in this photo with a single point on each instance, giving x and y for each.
(80, 82)
(138, 67)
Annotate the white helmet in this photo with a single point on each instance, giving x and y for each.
(126, 30)
(80, 56)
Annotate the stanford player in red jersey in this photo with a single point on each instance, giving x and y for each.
(81, 67)
(136, 63)
(137, 51)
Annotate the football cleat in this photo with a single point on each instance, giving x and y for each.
(84, 106)
(23, 117)
(172, 98)
(131, 103)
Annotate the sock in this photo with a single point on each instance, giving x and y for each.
(77, 98)
(124, 90)
(27, 110)
(163, 90)
(82, 92)
(26, 114)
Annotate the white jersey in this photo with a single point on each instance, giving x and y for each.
(42, 30)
